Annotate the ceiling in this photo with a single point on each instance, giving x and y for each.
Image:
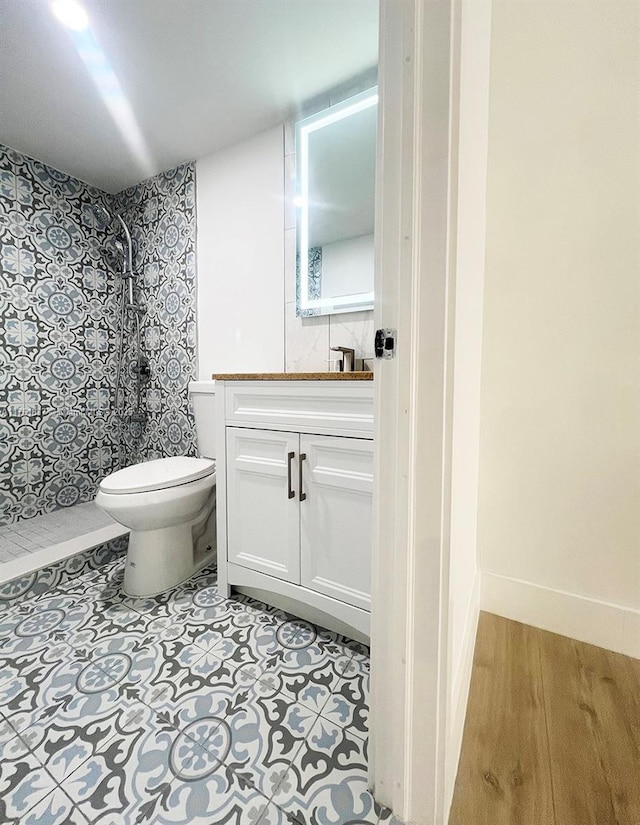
(154, 83)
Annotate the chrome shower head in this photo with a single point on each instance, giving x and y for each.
(104, 219)
(102, 215)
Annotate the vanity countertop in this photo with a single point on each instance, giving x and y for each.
(293, 376)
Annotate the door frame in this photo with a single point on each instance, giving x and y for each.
(415, 293)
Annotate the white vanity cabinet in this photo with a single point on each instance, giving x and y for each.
(295, 496)
(335, 517)
(263, 518)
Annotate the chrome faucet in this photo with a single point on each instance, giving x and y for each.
(348, 361)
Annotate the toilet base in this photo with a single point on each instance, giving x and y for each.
(148, 595)
(158, 560)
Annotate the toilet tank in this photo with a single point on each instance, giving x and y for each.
(203, 398)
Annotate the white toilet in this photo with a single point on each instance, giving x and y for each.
(169, 506)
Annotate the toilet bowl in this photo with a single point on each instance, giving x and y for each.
(169, 505)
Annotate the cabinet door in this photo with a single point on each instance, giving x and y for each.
(263, 522)
(336, 516)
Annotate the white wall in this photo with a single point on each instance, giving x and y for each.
(559, 520)
(246, 267)
(464, 575)
(240, 206)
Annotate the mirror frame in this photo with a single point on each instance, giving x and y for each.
(306, 305)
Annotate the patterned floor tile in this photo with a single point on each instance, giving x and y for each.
(327, 782)
(207, 604)
(123, 627)
(106, 581)
(310, 647)
(242, 638)
(308, 664)
(73, 688)
(12, 746)
(311, 686)
(348, 705)
(358, 650)
(27, 679)
(386, 816)
(174, 602)
(66, 741)
(258, 735)
(154, 670)
(205, 577)
(153, 773)
(33, 625)
(279, 646)
(273, 815)
(107, 619)
(7, 732)
(101, 581)
(55, 809)
(205, 793)
(16, 664)
(125, 771)
(23, 783)
(186, 707)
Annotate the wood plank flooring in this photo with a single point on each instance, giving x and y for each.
(552, 734)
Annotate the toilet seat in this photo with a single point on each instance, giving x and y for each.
(158, 474)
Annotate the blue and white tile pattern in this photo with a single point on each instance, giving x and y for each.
(160, 213)
(57, 305)
(59, 300)
(184, 708)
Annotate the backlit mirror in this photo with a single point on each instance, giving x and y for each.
(335, 193)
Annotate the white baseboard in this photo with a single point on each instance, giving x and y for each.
(608, 625)
(460, 692)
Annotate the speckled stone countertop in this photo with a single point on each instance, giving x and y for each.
(293, 376)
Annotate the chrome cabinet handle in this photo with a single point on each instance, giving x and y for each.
(291, 493)
(302, 458)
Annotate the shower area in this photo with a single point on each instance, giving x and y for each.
(97, 346)
(130, 361)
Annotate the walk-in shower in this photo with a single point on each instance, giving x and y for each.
(90, 296)
(131, 310)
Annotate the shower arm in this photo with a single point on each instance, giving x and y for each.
(136, 310)
(128, 262)
(128, 271)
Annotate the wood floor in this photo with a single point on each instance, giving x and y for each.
(552, 734)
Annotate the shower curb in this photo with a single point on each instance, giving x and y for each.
(53, 575)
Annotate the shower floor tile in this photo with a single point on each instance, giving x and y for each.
(24, 537)
(186, 708)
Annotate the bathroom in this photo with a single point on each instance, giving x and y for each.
(497, 462)
(127, 282)
(182, 245)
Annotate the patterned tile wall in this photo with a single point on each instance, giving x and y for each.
(57, 310)
(59, 301)
(161, 216)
